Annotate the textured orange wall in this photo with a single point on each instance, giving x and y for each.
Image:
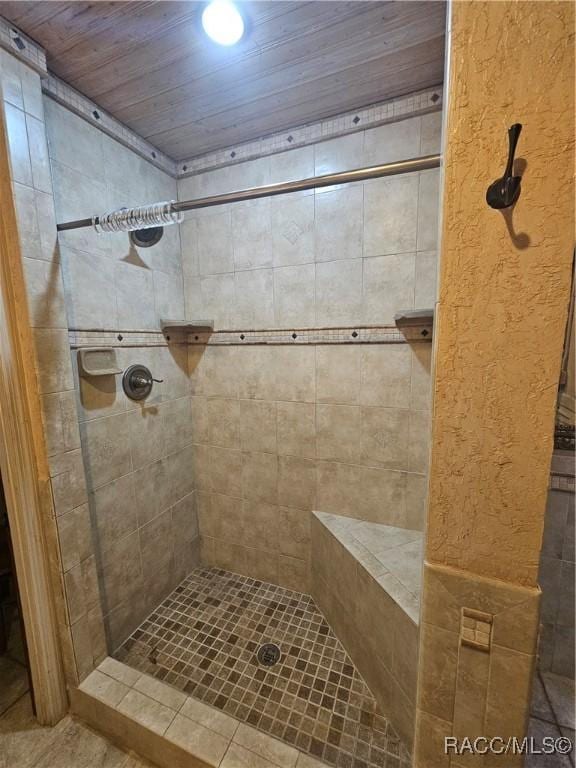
(504, 286)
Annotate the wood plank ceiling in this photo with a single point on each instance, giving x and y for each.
(152, 67)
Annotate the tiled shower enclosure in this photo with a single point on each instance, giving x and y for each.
(191, 545)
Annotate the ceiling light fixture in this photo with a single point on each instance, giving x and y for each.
(223, 22)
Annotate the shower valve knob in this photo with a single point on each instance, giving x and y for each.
(137, 382)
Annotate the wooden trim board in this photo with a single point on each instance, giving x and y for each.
(24, 469)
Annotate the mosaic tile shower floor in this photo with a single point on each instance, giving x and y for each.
(204, 637)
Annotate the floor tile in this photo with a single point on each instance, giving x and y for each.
(203, 639)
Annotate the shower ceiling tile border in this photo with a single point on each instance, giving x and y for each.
(370, 116)
(84, 107)
(21, 46)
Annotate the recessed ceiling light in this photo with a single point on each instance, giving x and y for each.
(223, 22)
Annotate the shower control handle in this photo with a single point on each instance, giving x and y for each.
(137, 382)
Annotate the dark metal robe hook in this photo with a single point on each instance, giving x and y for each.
(504, 192)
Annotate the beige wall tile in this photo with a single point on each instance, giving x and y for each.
(386, 375)
(10, 79)
(151, 487)
(73, 141)
(258, 426)
(338, 224)
(376, 495)
(419, 441)
(52, 361)
(120, 573)
(294, 532)
(225, 471)
(388, 287)
(416, 490)
(261, 565)
(214, 232)
(60, 422)
(296, 482)
(341, 154)
(390, 210)
(27, 214)
(421, 382)
(177, 423)
(75, 536)
(429, 749)
(114, 511)
(430, 141)
(106, 447)
(338, 374)
(393, 141)
(180, 466)
(338, 432)
(437, 671)
(252, 234)
(296, 429)
(293, 573)
(293, 229)
(338, 292)
(40, 162)
(292, 165)
(68, 481)
(426, 280)
(259, 525)
(147, 434)
(254, 299)
(185, 519)
(230, 556)
(18, 149)
(212, 298)
(428, 196)
(260, 477)
(256, 375)
(221, 422)
(293, 369)
(45, 294)
(134, 287)
(386, 437)
(294, 296)
(168, 296)
(89, 283)
(508, 698)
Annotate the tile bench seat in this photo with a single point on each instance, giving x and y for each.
(366, 578)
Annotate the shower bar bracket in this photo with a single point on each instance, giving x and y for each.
(314, 182)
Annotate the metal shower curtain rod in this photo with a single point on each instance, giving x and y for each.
(270, 190)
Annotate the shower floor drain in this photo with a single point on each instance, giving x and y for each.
(268, 654)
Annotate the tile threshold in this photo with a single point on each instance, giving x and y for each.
(171, 729)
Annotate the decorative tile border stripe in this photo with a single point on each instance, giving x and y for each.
(414, 104)
(17, 43)
(83, 107)
(116, 338)
(385, 334)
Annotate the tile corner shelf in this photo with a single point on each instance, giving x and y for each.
(415, 322)
(187, 326)
(414, 317)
